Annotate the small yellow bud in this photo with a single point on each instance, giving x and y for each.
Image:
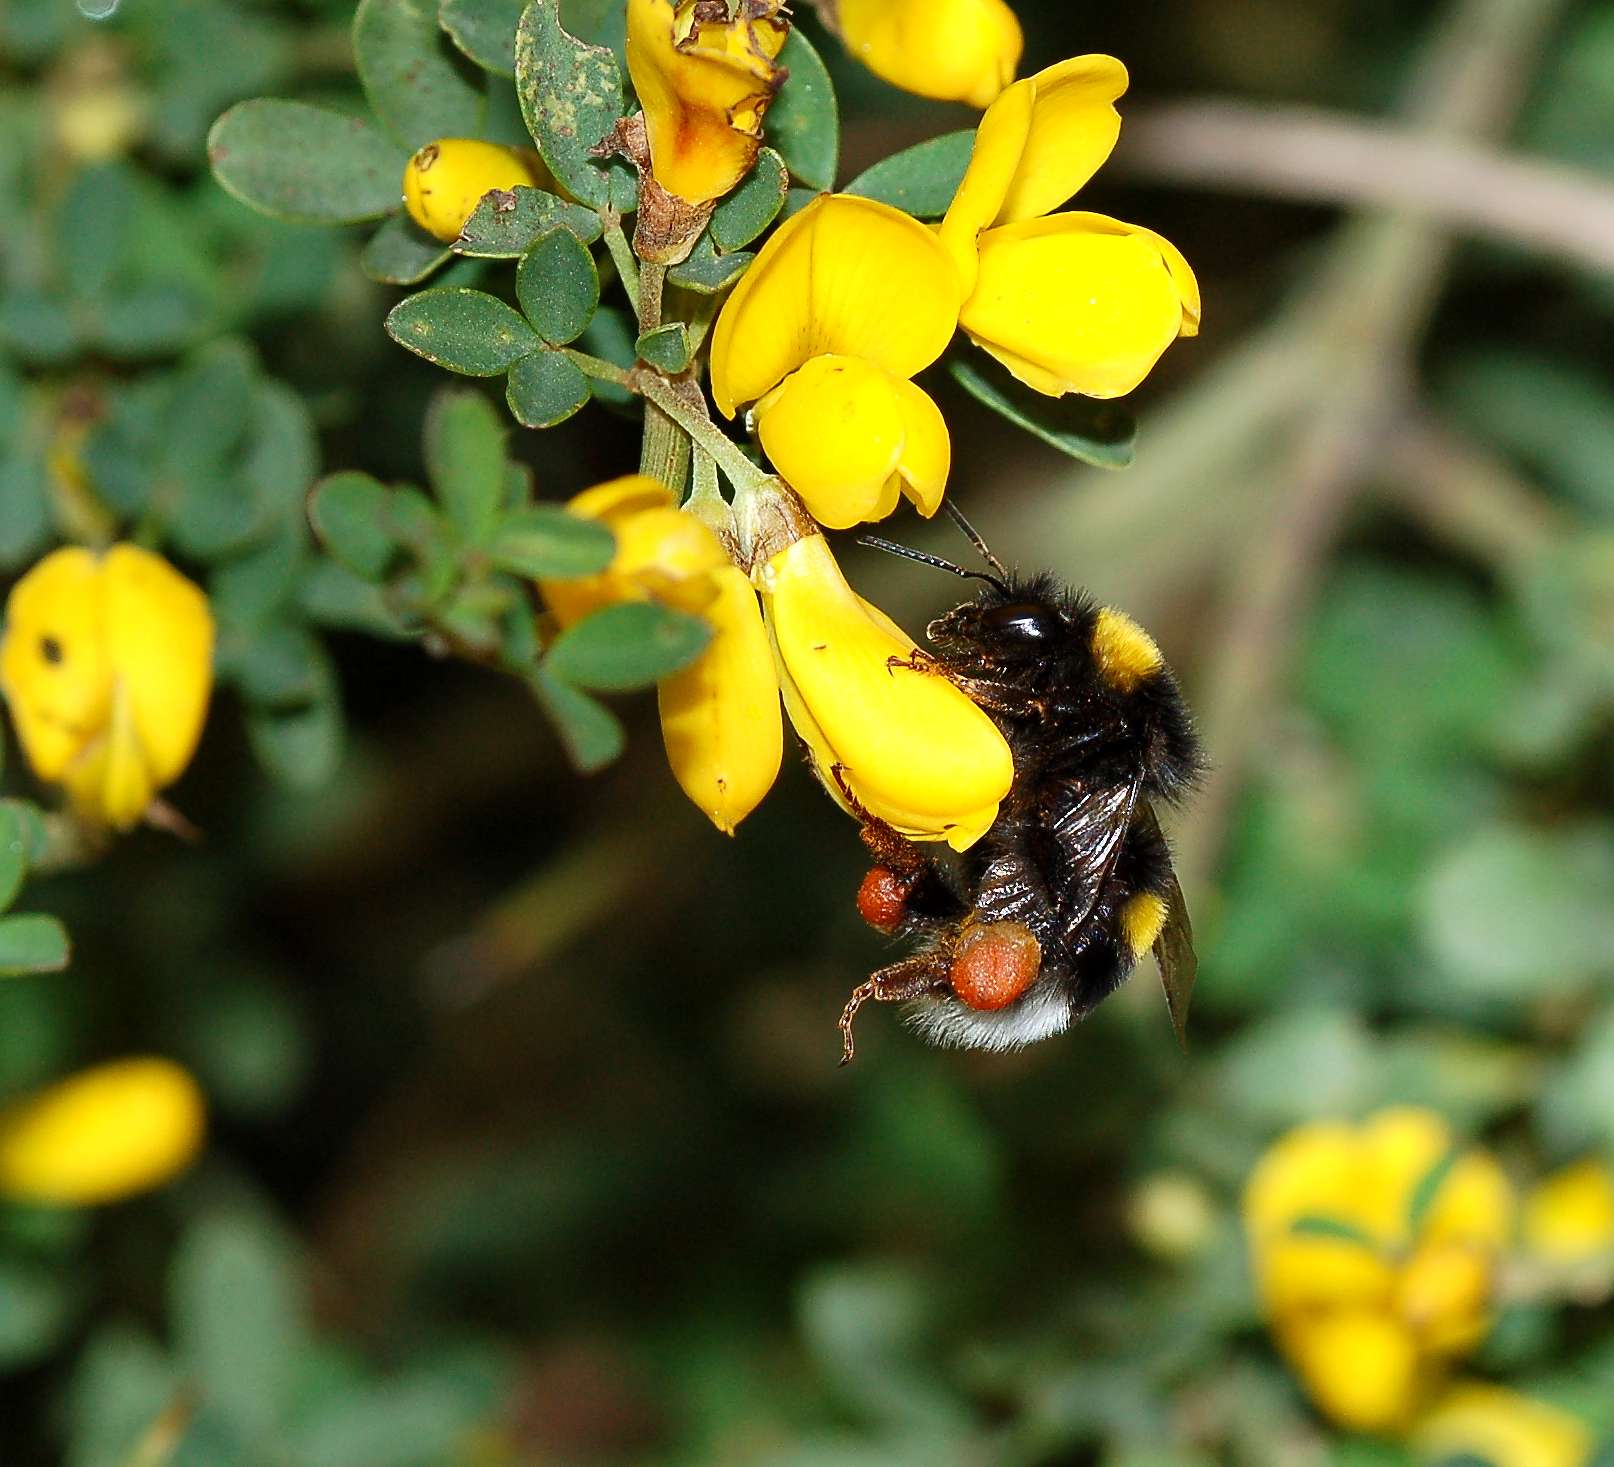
(102, 1135)
(952, 50)
(107, 665)
(1569, 1218)
(912, 748)
(445, 181)
(1171, 1215)
(720, 717)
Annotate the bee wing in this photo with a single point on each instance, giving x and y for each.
(1088, 833)
(1174, 950)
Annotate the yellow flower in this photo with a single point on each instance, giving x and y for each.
(662, 554)
(1069, 302)
(101, 1135)
(952, 50)
(912, 749)
(1375, 1251)
(107, 664)
(846, 302)
(704, 82)
(1569, 1218)
(720, 718)
(1490, 1424)
(445, 181)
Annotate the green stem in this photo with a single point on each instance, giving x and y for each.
(664, 452)
(746, 477)
(622, 254)
(600, 369)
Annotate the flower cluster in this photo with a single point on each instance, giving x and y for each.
(1381, 1253)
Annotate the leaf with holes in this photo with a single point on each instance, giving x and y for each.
(508, 222)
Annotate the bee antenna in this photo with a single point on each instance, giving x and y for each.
(907, 552)
(973, 535)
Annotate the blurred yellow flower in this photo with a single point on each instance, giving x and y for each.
(662, 554)
(107, 665)
(911, 748)
(1485, 1423)
(102, 1135)
(444, 181)
(1569, 1218)
(720, 718)
(846, 302)
(1375, 1250)
(952, 50)
(704, 80)
(1069, 302)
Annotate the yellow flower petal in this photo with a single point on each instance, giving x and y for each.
(444, 181)
(1444, 1293)
(102, 1135)
(107, 665)
(1296, 1273)
(913, 748)
(1569, 1218)
(927, 448)
(845, 277)
(1073, 131)
(662, 554)
(1000, 142)
(1311, 1170)
(1361, 1369)
(953, 50)
(704, 84)
(720, 718)
(1488, 1423)
(1076, 303)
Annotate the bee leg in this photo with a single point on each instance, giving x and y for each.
(889, 847)
(911, 978)
(918, 660)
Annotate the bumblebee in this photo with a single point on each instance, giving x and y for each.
(1044, 917)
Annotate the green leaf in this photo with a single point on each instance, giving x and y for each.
(305, 163)
(1315, 1226)
(920, 180)
(706, 272)
(93, 228)
(508, 222)
(1428, 1189)
(754, 205)
(402, 253)
(547, 541)
(666, 348)
(418, 85)
(546, 388)
(13, 854)
(558, 286)
(485, 30)
(629, 645)
(803, 122)
(348, 511)
(571, 97)
(234, 1301)
(592, 734)
(301, 744)
(1098, 433)
(31, 943)
(464, 442)
(120, 1385)
(466, 331)
(36, 1308)
(415, 1422)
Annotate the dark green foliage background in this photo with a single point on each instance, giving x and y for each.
(528, 1145)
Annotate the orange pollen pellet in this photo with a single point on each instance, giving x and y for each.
(882, 900)
(994, 964)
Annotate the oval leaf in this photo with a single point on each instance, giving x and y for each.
(305, 163)
(1097, 433)
(571, 97)
(417, 84)
(920, 180)
(803, 123)
(31, 943)
(508, 222)
(402, 253)
(546, 388)
(754, 205)
(706, 272)
(630, 645)
(591, 733)
(485, 30)
(349, 514)
(547, 541)
(465, 459)
(466, 331)
(666, 348)
(13, 855)
(558, 286)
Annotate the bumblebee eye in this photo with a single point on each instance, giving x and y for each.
(1022, 621)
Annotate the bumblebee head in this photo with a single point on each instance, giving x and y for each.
(1009, 626)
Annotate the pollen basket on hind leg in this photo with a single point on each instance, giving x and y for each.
(1124, 652)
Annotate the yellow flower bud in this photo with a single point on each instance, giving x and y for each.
(102, 1135)
(952, 50)
(662, 554)
(1491, 1424)
(912, 748)
(704, 81)
(445, 181)
(107, 665)
(1360, 1367)
(720, 718)
(1569, 1218)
